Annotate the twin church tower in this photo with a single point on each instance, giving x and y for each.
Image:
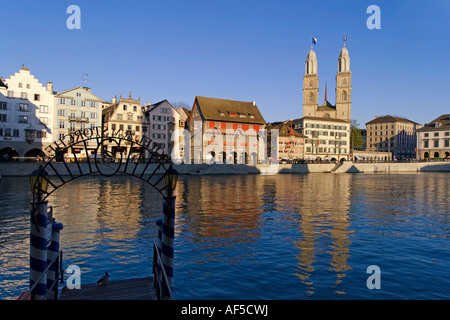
(311, 107)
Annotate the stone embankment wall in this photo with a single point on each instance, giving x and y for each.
(14, 169)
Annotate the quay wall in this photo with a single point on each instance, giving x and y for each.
(350, 167)
(14, 169)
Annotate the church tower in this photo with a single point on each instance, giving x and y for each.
(344, 86)
(310, 85)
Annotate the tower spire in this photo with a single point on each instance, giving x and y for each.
(326, 91)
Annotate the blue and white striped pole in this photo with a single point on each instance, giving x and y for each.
(52, 253)
(168, 234)
(159, 223)
(38, 248)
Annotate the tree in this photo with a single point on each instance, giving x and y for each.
(356, 140)
(178, 104)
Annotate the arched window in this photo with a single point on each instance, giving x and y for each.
(311, 98)
(326, 116)
(344, 82)
(344, 96)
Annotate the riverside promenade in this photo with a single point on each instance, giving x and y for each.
(17, 169)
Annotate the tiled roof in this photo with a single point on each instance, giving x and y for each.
(440, 123)
(229, 110)
(388, 119)
(324, 119)
(285, 130)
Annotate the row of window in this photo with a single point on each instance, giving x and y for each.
(380, 133)
(390, 126)
(326, 133)
(114, 127)
(436, 134)
(81, 103)
(130, 117)
(234, 126)
(22, 119)
(435, 143)
(23, 107)
(326, 150)
(324, 142)
(24, 95)
(7, 132)
(125, 108)
(325, 126)
(164, 118)
(72, 115)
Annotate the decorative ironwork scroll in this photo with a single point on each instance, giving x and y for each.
(97, 151)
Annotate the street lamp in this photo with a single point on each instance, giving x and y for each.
(170, 180)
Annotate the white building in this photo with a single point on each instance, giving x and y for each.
(326, 139)
(26, 116)
(434, 139)
(77, 109)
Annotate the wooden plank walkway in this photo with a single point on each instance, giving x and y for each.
(129, 289)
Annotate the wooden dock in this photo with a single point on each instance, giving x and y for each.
(129, 289)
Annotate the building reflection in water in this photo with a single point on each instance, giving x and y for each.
(107, 220)
(218, 212)
(215, 212)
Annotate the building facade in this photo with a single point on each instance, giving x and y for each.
(125, 117)
(290, 142)
(225, 131)
(184, 116)
(77, 109)
(26, 116)
(325, 138)
(163, 119)
(394, 135)
(434, 139)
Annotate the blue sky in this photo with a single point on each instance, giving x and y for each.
(241, 50)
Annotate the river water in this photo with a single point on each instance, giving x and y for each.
(303, 236)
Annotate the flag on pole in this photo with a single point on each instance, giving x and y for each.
(314, 40)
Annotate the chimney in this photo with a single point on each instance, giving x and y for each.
(254, 103)
(50, 86)
(114, 100)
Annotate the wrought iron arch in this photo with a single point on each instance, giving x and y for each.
(150, 164)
